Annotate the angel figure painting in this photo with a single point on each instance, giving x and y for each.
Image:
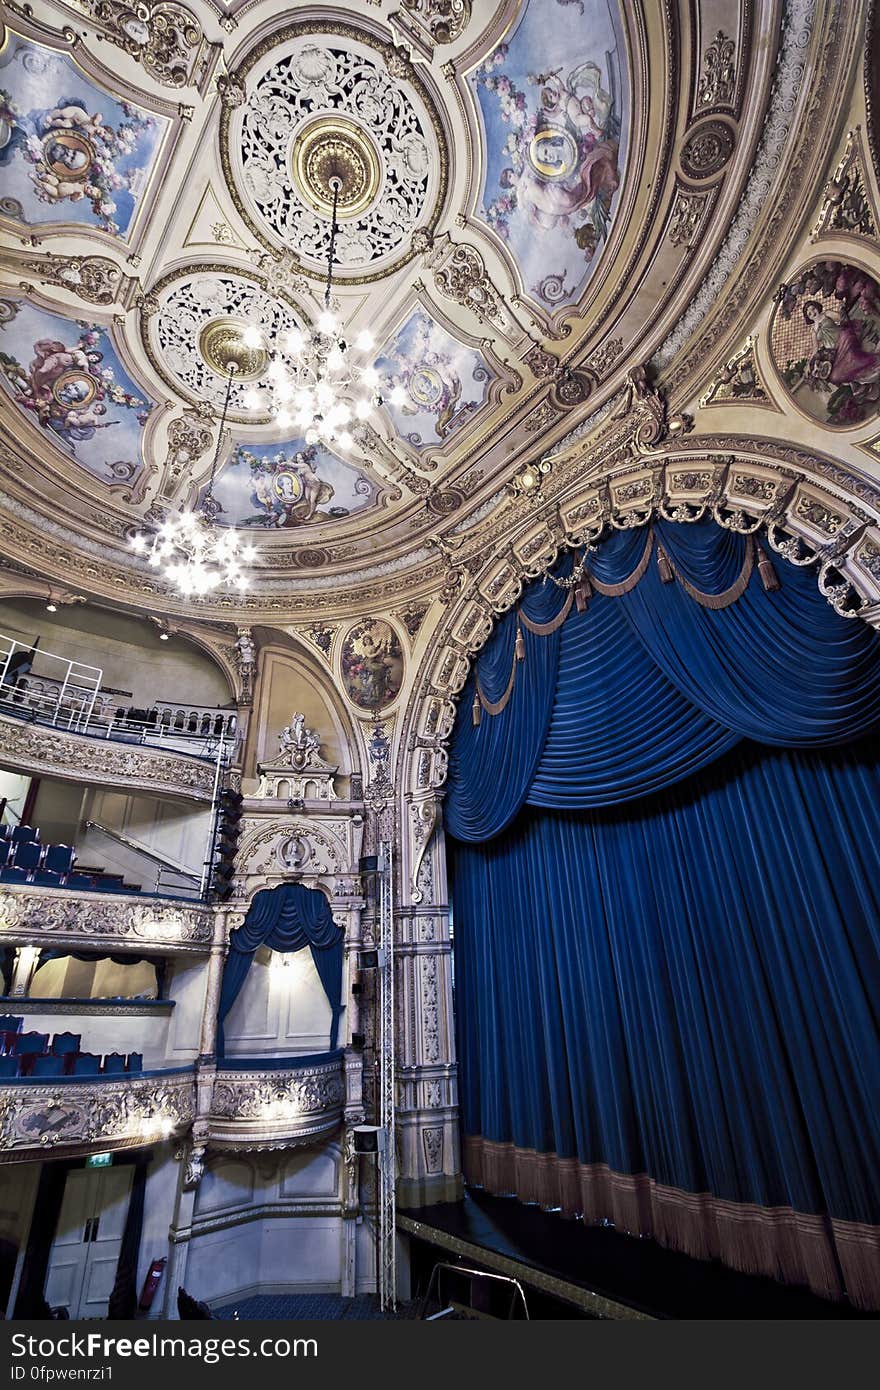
(444, 382)
(68, 379)
(826, 343)
(554, 102)
(288, 485)
(69, 152)
(372, 664)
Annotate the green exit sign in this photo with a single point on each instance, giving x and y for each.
(99, 1160)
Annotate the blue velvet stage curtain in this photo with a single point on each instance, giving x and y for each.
(668, 965)
(645, 688)
(286, 918)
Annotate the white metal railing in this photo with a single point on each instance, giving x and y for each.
(64, 691)
(64, 700)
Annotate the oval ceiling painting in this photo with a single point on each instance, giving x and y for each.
(825, 343)
(372, 664)
(555, 106)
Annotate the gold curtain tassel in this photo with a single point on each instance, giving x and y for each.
(519, 646)
(769, 577)
(583, 593)
(476, 711)
(664, 566)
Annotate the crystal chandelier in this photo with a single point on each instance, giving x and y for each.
(313, 382)
(195, 553)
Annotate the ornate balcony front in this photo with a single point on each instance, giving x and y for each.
(277, 1107)
(71, 1116)
(59, 917)
(40, 750)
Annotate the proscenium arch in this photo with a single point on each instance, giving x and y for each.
(809, 491)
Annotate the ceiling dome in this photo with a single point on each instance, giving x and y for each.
(322, 104)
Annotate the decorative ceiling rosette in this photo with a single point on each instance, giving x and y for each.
(310, 105)
(196, 327)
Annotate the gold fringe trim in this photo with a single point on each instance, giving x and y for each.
(545, 629)
(496, 706)
(791, 1246)
(615, 590)
(714, 601)
(727, 596)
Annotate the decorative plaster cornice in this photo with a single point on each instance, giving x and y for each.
(39, 750)
(78, 1118)
(63, 917)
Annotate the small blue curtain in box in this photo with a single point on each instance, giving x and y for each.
(287, 918)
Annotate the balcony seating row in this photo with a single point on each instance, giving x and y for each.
(24, 859)
(31, 1054)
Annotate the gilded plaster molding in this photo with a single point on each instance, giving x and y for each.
(61, 917)
(38, 750)
(269, 1108)
(73, 1118)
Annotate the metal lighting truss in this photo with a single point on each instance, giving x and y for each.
(388, 1153)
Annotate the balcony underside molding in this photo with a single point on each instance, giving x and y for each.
(45, 752)
(120, 922)
(69, 1119)
(276, 1109)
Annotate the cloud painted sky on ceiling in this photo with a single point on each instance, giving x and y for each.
(555, 106)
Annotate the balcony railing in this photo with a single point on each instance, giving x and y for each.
(47, 689)
(79, 1115)
(277, 1103)
(116, 922)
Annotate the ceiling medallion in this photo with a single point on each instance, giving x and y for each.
(311, 102)
(333, 151)
(223, 345)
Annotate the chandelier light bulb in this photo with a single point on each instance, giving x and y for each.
(312, 436)
(252, 400)
(370, 377)
(364, 341)
(284, 419)
(398, 396)
(362, 409)
(345, 440)
(252, 337)
(295, 341)
(335, 359)
(327, 322)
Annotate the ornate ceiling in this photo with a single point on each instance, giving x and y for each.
(541, 198)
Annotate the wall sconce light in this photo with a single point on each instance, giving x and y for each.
(51, 607)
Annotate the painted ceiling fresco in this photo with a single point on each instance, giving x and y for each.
(288, 484)
(68, 151)
(68, 379)
(826, 343)
(445, 380)
(555, 107)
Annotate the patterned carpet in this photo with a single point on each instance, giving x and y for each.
(308, 1306)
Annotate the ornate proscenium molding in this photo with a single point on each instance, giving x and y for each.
(58, 917)
(49, 752)
(270, 1109)
(424, 820)
(78, 1118)
(645, 408)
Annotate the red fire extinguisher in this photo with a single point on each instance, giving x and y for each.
(151, 1283)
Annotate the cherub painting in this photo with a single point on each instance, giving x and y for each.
(372, 664)
(67, 378)
(445, 381)
(287, 485)
(826, 342)
(80, 156)
(555, 106)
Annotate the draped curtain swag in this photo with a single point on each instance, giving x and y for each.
(286, 918)
(667, 912)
